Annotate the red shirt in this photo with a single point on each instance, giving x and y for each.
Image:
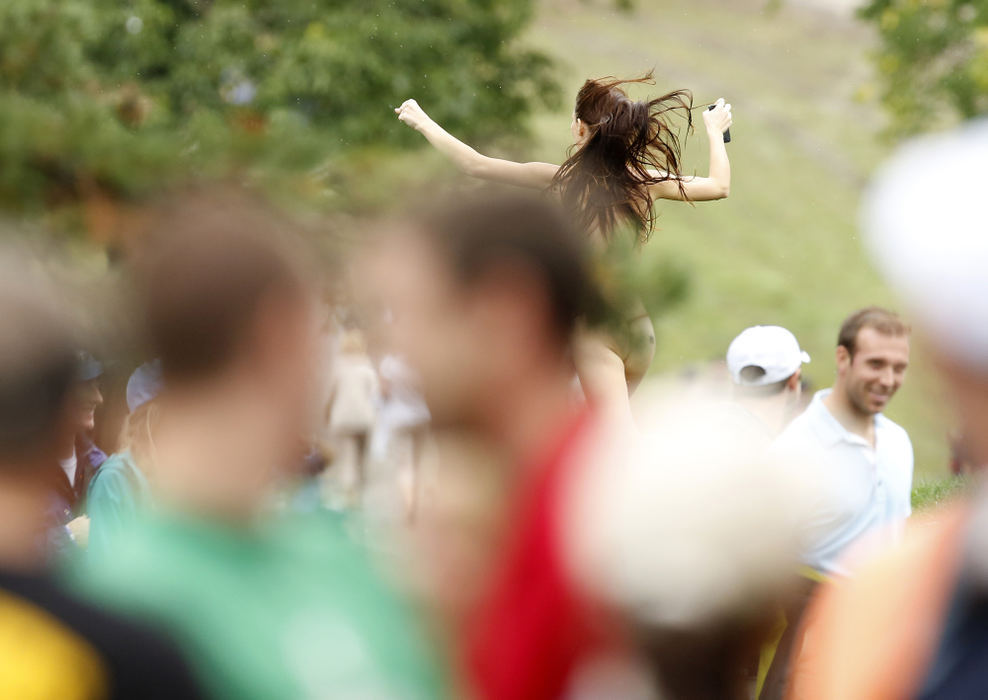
(533, 627)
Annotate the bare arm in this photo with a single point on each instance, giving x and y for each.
(717, 185)
(468, 160)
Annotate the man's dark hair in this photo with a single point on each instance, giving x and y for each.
(882, 320)
(38, 364)
(481, 233)
(211, 259)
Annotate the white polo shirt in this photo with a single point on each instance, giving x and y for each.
(865, 491)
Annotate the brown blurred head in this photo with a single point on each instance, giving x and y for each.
(483, 292)
(229, 309)
(214, 261)
(38, 369)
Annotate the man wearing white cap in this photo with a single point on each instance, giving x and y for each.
(914, 622)
(868, 459)
(766, 363)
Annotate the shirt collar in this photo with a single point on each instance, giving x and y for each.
(829, 429)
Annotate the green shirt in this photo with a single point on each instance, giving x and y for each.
(289, 610)
(116, 493)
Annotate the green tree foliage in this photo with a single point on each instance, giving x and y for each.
(120, 97)
(933, 60)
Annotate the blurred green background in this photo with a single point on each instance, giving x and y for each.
(784, 248)
(102, 105)
(813, 85)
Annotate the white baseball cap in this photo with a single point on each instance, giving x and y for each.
(144, 384)
(927, 229)
(772, 349)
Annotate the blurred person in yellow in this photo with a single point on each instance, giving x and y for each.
(485, 294)
(264, 605)
(53, 645)
(914, 624)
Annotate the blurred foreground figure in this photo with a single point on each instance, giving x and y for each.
(696, 541)
(486, 295)
(53, 646)
(264, 607)
(915, 623)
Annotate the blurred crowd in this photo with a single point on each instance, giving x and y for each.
(278, 485)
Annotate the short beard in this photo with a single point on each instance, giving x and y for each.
(860, 407)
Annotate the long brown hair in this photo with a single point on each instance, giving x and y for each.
(606, 180)
(137, 435)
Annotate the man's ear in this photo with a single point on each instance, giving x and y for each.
(792, 384)
(843, 357)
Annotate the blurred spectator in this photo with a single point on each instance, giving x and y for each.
(120, 488)
(79, 457)
(266, 606)
(53, 646)
(354, 392)
(765, 363)
(143, 385)
(961, 461)
(77, 462)
(868, 459)
(914, 624)
(402, 424)
(486, 295)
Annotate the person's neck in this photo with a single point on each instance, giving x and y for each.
(201, 434)
(771, 411)
(23, 523)
(529, 413)
(853, 420)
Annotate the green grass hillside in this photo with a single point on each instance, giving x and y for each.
(784, 248)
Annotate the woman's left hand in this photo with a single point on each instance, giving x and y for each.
(719, 119)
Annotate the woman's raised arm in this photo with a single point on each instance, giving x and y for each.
(468, 160)
(717, 185)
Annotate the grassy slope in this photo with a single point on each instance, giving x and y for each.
(784, 247)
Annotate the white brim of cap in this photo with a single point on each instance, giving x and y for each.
(773, 374)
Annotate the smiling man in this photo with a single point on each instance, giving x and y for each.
(867, 457)
(79, 457)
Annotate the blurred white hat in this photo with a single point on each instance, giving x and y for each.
(772, 349)
(690, 528)
(927, 230)
(144, 384)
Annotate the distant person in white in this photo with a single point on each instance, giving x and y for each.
(354, 392)
(766, 365)
(867, 459)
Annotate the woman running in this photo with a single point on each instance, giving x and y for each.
(624, 156)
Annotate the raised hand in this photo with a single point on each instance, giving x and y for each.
(410, 113)
(719, 119)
